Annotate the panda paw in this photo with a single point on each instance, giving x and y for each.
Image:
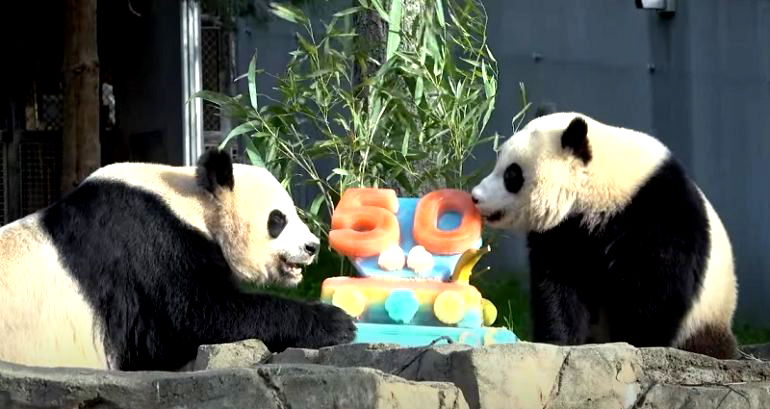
(331, 326)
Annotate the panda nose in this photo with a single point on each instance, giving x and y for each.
(475, 199)
(311, 248)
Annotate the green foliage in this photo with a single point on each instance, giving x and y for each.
(409, 125)
(748, 334)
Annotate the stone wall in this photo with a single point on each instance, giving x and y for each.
(524, 375)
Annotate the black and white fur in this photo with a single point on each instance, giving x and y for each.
(142, 263)
(623, 246)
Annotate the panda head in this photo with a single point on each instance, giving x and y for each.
(254, 221)
(562, 164)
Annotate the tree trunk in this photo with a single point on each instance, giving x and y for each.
(372, 36)
(371, 39)
(81, 151)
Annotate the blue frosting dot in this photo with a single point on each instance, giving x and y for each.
(472, 319)
(402, 305)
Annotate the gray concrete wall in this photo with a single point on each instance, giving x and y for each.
(699, 81)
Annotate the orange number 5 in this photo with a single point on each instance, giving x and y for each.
(364, 222)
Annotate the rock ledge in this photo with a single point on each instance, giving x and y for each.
(524, 375)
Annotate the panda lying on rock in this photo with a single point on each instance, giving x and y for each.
(141, 264)
(623, 246)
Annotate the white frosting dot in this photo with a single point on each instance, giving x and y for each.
(391, 259)
(420, 260)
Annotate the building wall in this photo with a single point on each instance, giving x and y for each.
(699, 81)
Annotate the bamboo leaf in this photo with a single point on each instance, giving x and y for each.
(213, 97)
(253, 81)
(316, 205)
(288, 13)
(440, 13)
(432, 45)
(405, 143)
(347, 12)
(307, 46)
(488, 114)
(488, 90)
(318, 73)
(404, 181)
(471, 62)
(520, 115)
(239, 130)
(253, 153)
(419, 88)
(380, 10)
(394, 28)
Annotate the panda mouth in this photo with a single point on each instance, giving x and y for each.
(494, 217)
(289, 268)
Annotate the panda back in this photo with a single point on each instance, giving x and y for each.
(44, 318)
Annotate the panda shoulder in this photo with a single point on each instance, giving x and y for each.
(170, 182)
(138, 173)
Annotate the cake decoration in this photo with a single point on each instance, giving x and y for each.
(392, 258)
(402, 305)
(413, 258)
(419, 260)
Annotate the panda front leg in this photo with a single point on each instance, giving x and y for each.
(558, 315)
(278, 322)
(650, 293)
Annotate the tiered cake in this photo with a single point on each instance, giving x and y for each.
(413, 258)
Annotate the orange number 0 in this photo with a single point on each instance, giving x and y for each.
(437, 241)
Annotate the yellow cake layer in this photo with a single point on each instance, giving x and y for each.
(409, 302)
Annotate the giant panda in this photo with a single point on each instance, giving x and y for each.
(142, 263)
(622, 245)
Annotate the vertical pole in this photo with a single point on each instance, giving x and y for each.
(191, 81)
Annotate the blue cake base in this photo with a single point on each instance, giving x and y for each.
(420, 335)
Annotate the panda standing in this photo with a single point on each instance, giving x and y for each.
(623, 246)
(142, 263)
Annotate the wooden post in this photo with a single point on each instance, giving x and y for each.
(81, 151)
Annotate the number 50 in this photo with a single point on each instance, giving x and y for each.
(365, 223)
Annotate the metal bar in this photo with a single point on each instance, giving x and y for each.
(191, 81)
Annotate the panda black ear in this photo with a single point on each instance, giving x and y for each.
(575, 138)
(544, 109)
(215, 170)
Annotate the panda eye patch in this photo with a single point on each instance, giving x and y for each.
(276, 223)
(513, 178)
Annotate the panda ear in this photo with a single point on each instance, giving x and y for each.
(544, 109)
(215, 171)
(575, 138)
